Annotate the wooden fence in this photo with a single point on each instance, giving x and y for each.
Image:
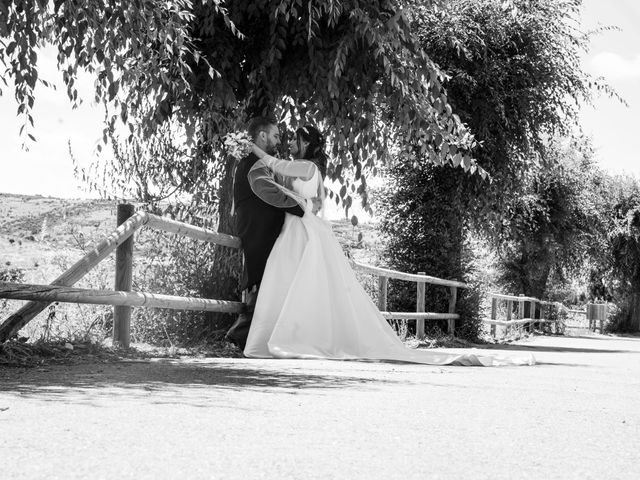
(123, 299)
(121, 240)
(596, 315)
(517, 314)
(420, 280)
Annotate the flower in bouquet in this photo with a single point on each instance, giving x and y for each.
(238, 144)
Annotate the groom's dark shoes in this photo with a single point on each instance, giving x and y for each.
(239, 331)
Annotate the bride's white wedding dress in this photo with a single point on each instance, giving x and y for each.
(311, 305)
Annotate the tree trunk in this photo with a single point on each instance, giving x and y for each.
(224, 283)
(634, 321)
(538, 285)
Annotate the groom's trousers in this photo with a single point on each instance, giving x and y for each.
(239, 331)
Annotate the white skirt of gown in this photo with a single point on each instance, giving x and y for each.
(311, 305)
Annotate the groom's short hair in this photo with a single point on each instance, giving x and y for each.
(259, 124)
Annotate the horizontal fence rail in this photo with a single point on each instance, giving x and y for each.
(420, 279)
(514, 298)
(191, 231)
(536, 312)
(410, 277)
(53, 293)
(419, 316)
(522, 321)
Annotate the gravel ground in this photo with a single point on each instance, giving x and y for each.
(574, 415)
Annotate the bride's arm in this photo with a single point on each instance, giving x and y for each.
(302, 169)
(269, 190)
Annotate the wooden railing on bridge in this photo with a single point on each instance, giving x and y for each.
(123, 299)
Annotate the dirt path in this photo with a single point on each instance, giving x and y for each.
(575, 415)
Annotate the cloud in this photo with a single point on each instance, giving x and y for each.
(613, 66)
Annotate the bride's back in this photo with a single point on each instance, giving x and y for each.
(307, 188)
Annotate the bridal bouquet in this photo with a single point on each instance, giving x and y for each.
(238, 144)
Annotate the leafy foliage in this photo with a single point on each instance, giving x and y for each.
(514, 77)
(357, 69)
(553, 225)
(15, 275)
(422, 235)
(139, 53)
(185, 268)
(624, 252)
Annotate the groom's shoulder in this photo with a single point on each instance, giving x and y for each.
(251, 158)
(245, 163)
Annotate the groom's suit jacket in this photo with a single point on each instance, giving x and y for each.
(258, 223)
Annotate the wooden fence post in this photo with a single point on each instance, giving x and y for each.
(452, 309)
(383, 284)
(96, 254)
(532, 314)
(421, 290)
(494, 315)
(520, 310)
(124, 267)
(507, 328)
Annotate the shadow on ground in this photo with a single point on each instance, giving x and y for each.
(633, 347)
(164, 375)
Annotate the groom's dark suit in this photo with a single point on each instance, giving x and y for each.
(258, 225)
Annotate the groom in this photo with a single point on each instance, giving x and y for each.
(258, 223)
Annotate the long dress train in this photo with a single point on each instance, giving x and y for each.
(311, 305)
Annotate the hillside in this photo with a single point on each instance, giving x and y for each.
(35, 229)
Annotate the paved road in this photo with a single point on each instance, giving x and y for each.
(574, 415)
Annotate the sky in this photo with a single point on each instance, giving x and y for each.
(46, 168)
(614, 55)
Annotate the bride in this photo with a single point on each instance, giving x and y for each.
(310, 303)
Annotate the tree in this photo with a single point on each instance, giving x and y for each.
(514, 78)
(425, 233)
(622, 257)
(552, 227)
(201, 67)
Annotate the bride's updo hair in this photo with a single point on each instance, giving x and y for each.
(315, 150)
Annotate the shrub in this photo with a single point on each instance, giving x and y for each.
(425, 233)
(181, 266)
